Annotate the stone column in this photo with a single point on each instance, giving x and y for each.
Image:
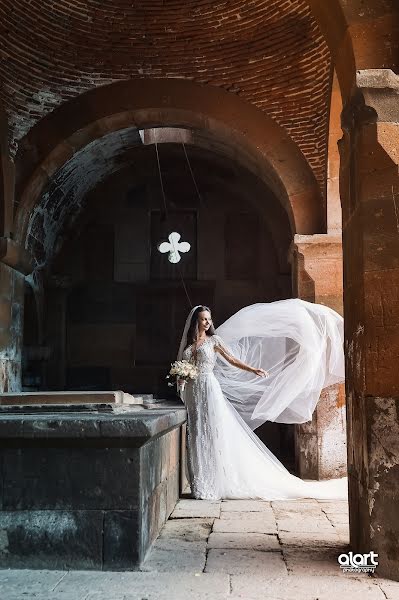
(320, 444)
(370, 200)
(14, 264)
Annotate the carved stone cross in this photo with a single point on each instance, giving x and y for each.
(174, 247)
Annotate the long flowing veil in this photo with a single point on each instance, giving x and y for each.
(299, 343)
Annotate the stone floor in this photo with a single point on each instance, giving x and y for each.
(233, 549)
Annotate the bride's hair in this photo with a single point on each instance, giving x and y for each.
(193, 329)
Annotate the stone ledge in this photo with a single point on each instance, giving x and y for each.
(123, 424)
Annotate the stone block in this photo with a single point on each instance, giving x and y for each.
(84, 489)
(122, 540)
(172, 491)
(71, 478)
(151, 476)
(51, 539)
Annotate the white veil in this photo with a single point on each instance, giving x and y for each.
(183, 341)
(299, 343)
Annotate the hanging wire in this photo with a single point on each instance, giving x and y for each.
(167, 219)
(161, 181)
(192, 176)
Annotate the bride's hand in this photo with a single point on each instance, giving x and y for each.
(261, 372)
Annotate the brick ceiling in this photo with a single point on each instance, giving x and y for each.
(269, 52)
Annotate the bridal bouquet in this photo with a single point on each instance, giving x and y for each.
(182, 369)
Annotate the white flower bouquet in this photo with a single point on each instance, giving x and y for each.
(183, 370)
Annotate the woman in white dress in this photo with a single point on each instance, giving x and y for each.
(226, 459)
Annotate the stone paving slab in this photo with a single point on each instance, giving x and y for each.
(258, 525)
(245, 505)
(311, 539)
(297, 587)
(176, 556)
(312, 512)
(338, 520)
(316, 562)
(35, 583)
(389, 588)
(195, 557)
(334, 506)
(236, 562)
(342, 529)
(300, 504)
(240, 514)
(191, 508)
(305, 525)
(189, 530)
(252, 541)
(141, 585)
(5, 595)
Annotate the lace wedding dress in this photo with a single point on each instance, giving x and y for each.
(226, 459)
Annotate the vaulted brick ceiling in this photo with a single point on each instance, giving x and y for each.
(269, 52)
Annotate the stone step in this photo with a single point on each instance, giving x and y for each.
(71, 408)
(69, 397)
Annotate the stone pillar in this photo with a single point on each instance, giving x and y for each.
(370, 200)
(320, 444)
(14, 264)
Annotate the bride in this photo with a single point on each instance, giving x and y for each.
(267, 362)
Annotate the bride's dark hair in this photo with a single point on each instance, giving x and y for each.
(193, 330)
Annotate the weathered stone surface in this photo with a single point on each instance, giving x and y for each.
(120, 536)
(187, 530)
(104, 496)
(245, 505)
(318, 561)
(306, 525)
(170, 555)
(52, 539)
(264, 515)
(370, 184)
(237, 562)
(139, 427)
(72, 478)
(196, 508)
(317, 538)
(147, 585)
(253, 541)
(308, 570)
(291, 588)
(252, 525)
(320, 444)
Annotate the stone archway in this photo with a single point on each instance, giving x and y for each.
(254, 139)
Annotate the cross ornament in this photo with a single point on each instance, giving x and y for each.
(174, 247)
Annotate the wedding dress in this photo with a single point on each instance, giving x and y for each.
(225, 458)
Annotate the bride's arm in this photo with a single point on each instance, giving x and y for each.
(236, 362)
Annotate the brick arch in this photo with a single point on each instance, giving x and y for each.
(252, 138)
(6, 178)
(362, 34)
